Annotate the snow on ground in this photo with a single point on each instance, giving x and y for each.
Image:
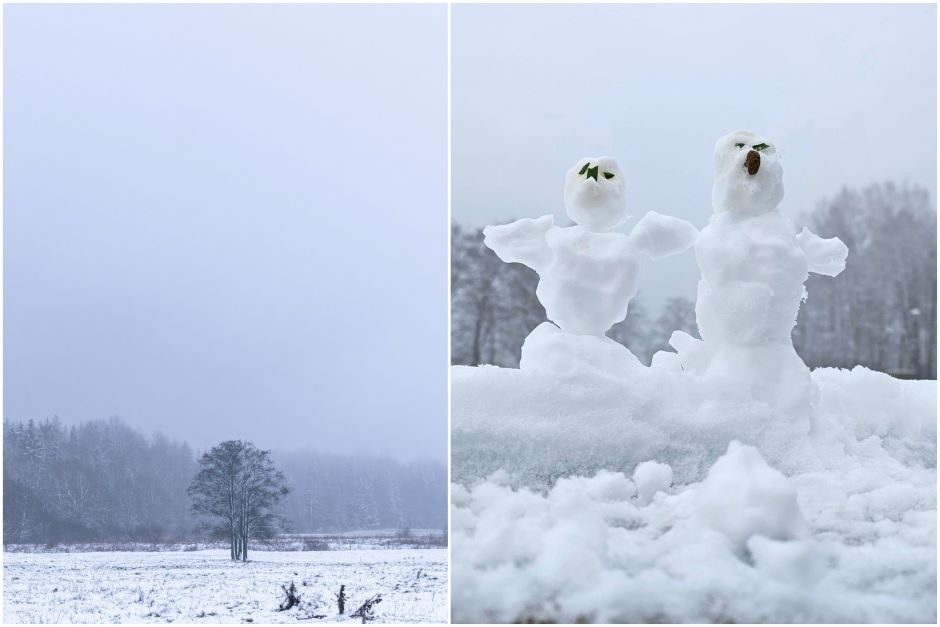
(206, 587)
(828, 518)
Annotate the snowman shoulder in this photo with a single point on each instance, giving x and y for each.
(825, 255)
(578, 242)
(522, 241)
(658, 236)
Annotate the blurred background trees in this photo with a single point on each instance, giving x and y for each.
(98, 480)
(879, 313)
(104, 481)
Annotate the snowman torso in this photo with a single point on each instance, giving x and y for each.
(753, 271)
(589, 280)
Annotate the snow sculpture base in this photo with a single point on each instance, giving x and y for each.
(772, 372)
(550, 350)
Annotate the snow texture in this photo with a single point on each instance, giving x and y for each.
(830, 524)
(207, 587)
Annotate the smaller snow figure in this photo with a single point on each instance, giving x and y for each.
(587, 274)
(753, 266)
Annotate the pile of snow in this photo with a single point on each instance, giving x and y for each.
(651, 477)
(743, 496)
(746, 545)
(735, 512)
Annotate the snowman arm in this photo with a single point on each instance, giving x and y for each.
(522, 241)
(825, 256)
(658, 236)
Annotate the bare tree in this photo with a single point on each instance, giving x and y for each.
(236, 491)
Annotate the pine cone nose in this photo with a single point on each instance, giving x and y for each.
(752, 163)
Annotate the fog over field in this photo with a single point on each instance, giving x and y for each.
(207, 263)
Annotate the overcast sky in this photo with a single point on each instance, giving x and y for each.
(229, 222)
(848, 93)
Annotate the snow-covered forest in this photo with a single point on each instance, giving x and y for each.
(879, 313)
(105, 481)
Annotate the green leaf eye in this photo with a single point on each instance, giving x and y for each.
(584, 169)
(608, 175)
(739, 145)
(760, 146)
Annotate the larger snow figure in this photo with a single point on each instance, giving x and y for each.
(754, 266)
(587, 275)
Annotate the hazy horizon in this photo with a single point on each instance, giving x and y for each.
(211, 214)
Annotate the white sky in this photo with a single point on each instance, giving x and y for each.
(848, 94)
(229, 222)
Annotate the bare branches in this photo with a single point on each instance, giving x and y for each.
(366, 611)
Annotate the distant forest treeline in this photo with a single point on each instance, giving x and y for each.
(880, 312)
(105, 481)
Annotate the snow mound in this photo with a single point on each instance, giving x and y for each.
(827, 519)
(743, 496)
(550, 350)
(651, 477)
(670, 560)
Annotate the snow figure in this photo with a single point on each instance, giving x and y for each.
(587, 274)
(753, 266)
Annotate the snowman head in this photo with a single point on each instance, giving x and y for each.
(594, 194)
(748, 174)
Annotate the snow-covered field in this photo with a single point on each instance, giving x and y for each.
(831, 518)
(206, 587)
(343, 541)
